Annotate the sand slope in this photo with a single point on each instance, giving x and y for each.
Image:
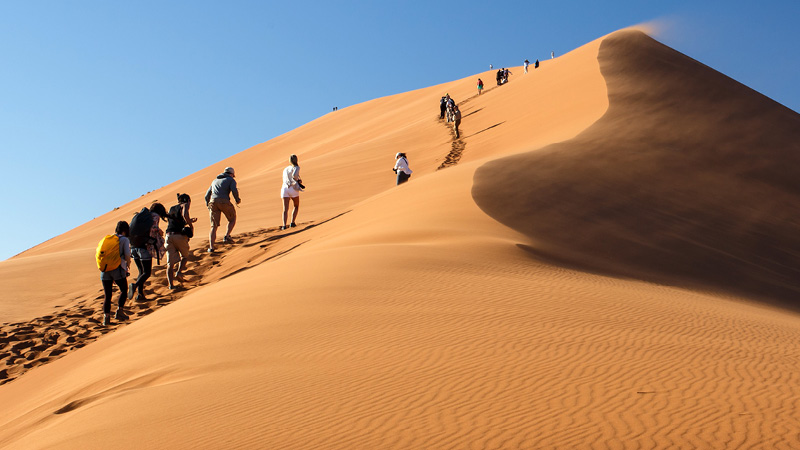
(690, 178)
(406, 317)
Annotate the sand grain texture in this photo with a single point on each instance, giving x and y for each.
(451, 312)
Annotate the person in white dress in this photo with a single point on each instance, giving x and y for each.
(290, 190)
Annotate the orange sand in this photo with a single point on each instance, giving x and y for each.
(412, 317)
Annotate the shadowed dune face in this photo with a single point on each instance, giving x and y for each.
(690, 178)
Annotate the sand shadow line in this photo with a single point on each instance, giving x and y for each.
(473, 112)
(487, 129)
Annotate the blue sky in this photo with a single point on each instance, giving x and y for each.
(103, 101)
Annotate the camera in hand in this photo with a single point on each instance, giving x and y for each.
(300, 184)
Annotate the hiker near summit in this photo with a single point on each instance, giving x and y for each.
(180, 229)
(290, 190)
(480, 86)
(450, 104)
(401, 168)
(456, 119)
(218, 201)
(119, 255)
(526, 65)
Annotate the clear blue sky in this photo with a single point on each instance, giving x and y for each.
(101, 102)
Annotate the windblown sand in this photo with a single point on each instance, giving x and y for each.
(606, 258)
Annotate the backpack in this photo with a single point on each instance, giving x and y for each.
(107, 254)
(140, 227)
(176, 220)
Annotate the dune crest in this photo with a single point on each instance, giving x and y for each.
(690, 178)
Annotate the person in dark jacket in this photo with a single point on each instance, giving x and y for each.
(143, 255)
(218, 201)
(180, 229)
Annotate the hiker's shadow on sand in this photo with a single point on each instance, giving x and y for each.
(262, 242)
(471, 113)
(487, 129)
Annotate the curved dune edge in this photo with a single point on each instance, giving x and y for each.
(690, 179)
(415, 321)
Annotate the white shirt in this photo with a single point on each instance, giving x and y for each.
(402, 164)
(290, 174)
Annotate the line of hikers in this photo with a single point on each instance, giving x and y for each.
(142, 239)
(448, 107)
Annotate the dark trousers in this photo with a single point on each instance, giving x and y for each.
(145, 266)
(441, 110)
(108, 287)
(402, 177)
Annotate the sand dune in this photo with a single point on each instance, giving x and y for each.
(690, 178)
(409, 317)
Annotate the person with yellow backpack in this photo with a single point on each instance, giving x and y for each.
(114, 259)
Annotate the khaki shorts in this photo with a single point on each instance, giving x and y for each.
(216, 208)
(177, 247)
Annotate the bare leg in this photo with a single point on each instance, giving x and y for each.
(212, 235)
(181, 268)
(285, 210)
(296, 201)
(170, 275)
(231, 224)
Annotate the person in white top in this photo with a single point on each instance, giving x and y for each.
(290, 190)
(401, 168)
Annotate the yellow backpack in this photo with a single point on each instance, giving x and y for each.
(108, 253)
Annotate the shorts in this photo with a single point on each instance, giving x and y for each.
(288, 191)
(217, 208)
(141, 254)
(177, 247)
(116, 274)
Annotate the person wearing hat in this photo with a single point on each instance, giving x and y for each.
(456, 119)
(218, 201)
(401, 168)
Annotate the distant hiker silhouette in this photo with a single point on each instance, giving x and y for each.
(480, 86)
(450, 104)
(401, 168)
(456, 120)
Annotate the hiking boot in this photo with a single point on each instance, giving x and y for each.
(227, 240)
(120, 315)
(210, 250)
(106, 320)
(282, 227)
(293, 225)
(131, 290)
